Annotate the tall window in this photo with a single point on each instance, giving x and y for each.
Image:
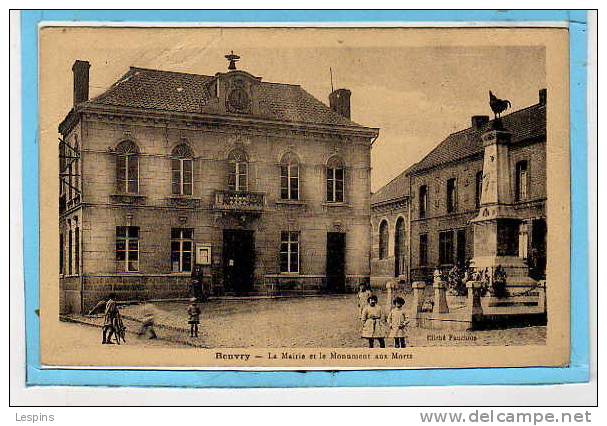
(70, 180)
(76, 249)
(61, 254)
(237, 175)
(127, 167)
(399, 247)
(451, 195)
(70, 248)
(289, 251)
(445, 247)
(423, 201)
(76, 169)
(127, 248)
(521, 181)
(423, 249)
(335, 180)
(181, 249)
(479, 189)
(182, 170)
(383, 239)
(289, 177)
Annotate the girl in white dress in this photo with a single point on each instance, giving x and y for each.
(373, 319)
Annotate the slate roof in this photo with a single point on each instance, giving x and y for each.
(395, 189)
(181, 92)
(524, 124)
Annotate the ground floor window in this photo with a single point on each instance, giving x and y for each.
(289, 251)
(127, 248)
(61, 251)
(423, 250)
(181, 249)
(445, 247)
(461, 247)
(70, 252)
(77, 250)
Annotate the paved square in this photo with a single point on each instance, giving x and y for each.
(324, 321)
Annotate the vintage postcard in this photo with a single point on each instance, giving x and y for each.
(309, 198)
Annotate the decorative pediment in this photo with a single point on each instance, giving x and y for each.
(235, 90)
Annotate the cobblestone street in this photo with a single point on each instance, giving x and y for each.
(327, 321)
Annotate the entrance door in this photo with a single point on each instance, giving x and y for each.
(238, 260)
(336, 262)
(537, 257)
(461, 247)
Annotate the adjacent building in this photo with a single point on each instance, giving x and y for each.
(259, 185)
(478, 198)
(390, 232)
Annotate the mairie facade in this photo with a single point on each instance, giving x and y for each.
(477, 199)
(259, 186)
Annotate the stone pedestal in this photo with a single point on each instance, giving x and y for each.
(474, 308)
(417, 302)
(440, 297)
(419, 288)
(496, 228)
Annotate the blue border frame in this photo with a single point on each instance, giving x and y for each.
(578, 371)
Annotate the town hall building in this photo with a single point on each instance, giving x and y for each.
(260, 187)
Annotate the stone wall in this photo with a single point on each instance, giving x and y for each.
(155, 211)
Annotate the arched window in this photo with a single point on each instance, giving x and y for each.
(383, 239)
(399, 247)
(335, 180)
(181, 163)
(289, 177)
(127, 167)
(239, 167)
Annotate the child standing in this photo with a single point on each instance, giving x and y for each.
(373, 320)
(194, 317)
(397, 322)
(363, 295)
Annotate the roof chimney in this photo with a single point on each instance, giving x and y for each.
(80, 70)
(479, 121)
(339, 101)
(543, 94)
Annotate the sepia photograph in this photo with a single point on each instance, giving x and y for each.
(304, 197)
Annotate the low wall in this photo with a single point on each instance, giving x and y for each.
(127, 287)
(278, 285)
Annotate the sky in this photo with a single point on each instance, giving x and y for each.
(416, 85)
